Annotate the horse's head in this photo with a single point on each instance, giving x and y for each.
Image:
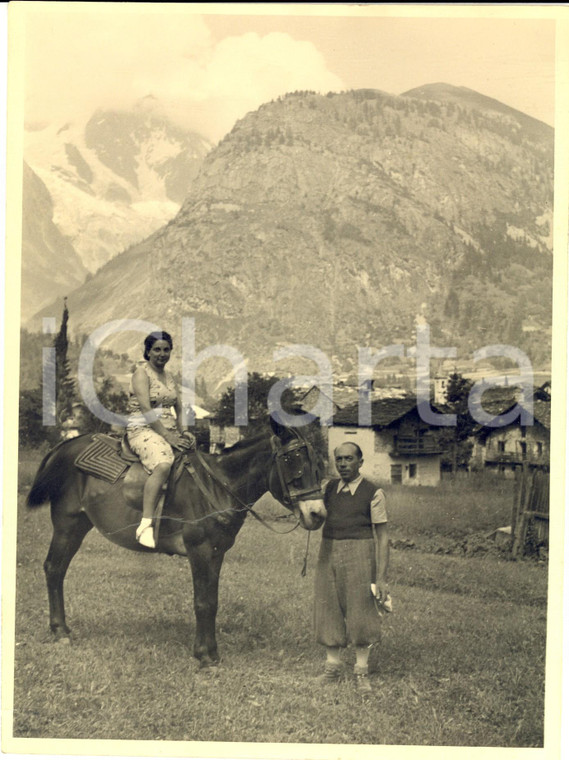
(295, 478)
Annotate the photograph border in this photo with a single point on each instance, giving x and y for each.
(555, 710)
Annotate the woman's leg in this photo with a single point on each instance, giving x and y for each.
(153, 488)
(150, 497)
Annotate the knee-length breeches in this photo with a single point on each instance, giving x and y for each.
(344, 608)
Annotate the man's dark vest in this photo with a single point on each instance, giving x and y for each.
(348, 516)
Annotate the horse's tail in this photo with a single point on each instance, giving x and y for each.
(48, 480)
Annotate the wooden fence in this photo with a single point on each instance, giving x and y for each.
(530, 511)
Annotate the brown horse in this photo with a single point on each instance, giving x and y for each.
(205, 508)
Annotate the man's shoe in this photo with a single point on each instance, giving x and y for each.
(333, 672)
(145, 536)
(363, 685)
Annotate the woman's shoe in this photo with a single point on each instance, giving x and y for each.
(145, 536)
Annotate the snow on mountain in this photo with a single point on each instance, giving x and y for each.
(116, 179)
(333, 221)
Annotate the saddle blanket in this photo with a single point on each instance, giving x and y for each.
(102, 459)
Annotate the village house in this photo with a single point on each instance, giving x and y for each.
(221, 437)
(340, 397)
(504, 449)
(440, 388)
(344, 395)
(398, 447)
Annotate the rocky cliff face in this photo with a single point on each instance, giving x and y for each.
(336, 220)
(47, 256)
(115, 179)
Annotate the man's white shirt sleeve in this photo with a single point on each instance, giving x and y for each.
(378, 507)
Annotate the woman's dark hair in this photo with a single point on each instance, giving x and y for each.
(151, 339)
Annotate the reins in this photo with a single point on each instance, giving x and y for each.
(243, 506)
(305, 563)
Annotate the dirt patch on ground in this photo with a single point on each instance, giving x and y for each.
(466, 546)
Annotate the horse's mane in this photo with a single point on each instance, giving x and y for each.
(246, 443)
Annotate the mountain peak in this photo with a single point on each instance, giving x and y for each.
(115, 179)
(468, 98)
(333, 220)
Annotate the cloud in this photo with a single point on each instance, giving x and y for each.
(77, 62)
(241, 73)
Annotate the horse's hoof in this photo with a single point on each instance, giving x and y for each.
(208, 664)
(61, 635)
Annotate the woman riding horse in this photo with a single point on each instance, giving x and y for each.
(207, 506)
(153, 431)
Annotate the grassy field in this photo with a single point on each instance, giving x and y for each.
(461, 660)
(458, 507)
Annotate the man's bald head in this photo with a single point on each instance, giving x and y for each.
(352, 446)
(348, 458)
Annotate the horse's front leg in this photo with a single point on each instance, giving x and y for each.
(206, 560)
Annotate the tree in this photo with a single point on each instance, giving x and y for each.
(458, 389)
(455, 440)
(258, 387)
(452, 305)
(32, 431)
(202, 392)
(64, 383)
(112, 398)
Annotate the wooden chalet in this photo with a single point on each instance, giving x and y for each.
(398, 446)
(505, 449)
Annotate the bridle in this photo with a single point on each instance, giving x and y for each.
(290, 466)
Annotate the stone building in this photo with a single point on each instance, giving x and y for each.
(504, 449)
(398, 447)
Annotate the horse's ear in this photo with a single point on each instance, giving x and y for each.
(280, 430)
(276, 427)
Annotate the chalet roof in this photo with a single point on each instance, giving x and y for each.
(341, 395)
(541, 412)
(497, 400)
(345, 396)
(384, 411)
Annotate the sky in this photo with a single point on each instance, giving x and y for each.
(209, 69)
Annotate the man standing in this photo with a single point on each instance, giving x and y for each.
(354, 553)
